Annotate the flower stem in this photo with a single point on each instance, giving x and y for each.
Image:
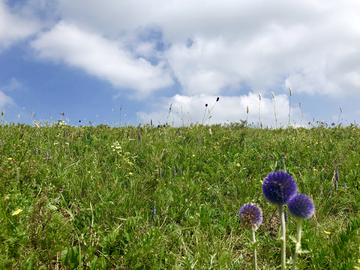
(254, 241)
(298, 243)
(283, 237)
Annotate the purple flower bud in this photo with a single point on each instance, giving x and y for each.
(336, 181)
(301, 206)
(250, 216)
(344, 185)
(279, 187)
(217, 99)
(206, 105)
(153, 212)
(36, 152)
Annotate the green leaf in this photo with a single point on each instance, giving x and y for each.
(292, 238)
(93, 263)
(65, 257)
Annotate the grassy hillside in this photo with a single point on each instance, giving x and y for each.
(168, 198)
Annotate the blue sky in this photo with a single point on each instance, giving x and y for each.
(88, 59)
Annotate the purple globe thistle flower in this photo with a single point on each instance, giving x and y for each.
(279, 188)
(250, 216)
(301, 206)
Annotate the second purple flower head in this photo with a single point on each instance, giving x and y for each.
(279, 187)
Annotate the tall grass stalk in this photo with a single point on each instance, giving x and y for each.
(259, 110)
(120, 116)
(247, 115)
(290, 104)
(208, 116)
(341, 110)
(203, 119)
(167, 118)
(273, 95)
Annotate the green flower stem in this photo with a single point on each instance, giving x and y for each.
(298, 243)
(254, 241)
(283, 237)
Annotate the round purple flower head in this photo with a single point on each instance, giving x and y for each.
(301, 206)
(250, 216)
(279, 187)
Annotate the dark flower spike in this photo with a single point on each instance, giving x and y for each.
(279, 188)
(250, 216)
(301, 206)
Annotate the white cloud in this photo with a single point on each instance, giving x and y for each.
(191, 109)
(309, 45)
(4, 100)
(104, 58)
(13, 85)
(15, 27)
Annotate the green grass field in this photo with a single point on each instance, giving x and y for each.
(88, 202)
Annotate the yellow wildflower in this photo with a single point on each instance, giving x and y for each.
(17, 212)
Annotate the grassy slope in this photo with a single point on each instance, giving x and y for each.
(91, 200)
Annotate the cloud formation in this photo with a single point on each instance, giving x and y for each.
(5, 100)
(104, 58)
(13, 85)
(15, 27)
(232, 49)
(213, 49)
